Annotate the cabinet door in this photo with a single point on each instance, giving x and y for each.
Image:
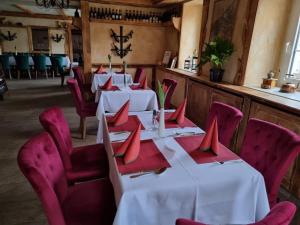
(198, 102)
(292, 122)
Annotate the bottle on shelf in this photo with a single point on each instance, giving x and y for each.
(98, 13)
(106, 14)
(102, 14)
(109, 14)
(194, 61)
(187, 63)
(120, 14)
(113, 15)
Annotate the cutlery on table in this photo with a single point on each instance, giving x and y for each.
(157, 172)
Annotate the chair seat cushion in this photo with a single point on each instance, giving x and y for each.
(90, 203)
(88, 162)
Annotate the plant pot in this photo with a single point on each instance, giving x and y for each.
(216, 75)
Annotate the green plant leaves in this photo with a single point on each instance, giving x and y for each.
(161, 94)
(217, 52)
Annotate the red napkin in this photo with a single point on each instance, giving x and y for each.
(107, 85)
(121, 116)
(179, 114)
(130, 148)
(100, 69)
(211, 139)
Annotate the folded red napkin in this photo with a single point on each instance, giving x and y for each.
(100, 69)
(210, 141)
(130, 148)
(108, 84)
(121, 116)
(179, 114)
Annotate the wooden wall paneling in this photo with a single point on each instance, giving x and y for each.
(30, 39)
(198, 102)
(205, 11)
(232, 100)
(289, 121)
(86, 43)
(35, 15)
(246, 37)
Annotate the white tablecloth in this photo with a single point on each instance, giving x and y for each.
(100, 79)
(229, 193)
(12, 61)
(112, 101)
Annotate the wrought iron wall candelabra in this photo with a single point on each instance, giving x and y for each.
(121, 40)
(9, 36)
(57, 38)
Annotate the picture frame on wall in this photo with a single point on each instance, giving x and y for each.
(223, 18)
(166, 58)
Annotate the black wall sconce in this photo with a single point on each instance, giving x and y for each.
(121, 39)
(57, 38)
(9, 36)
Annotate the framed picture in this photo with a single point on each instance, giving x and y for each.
(166, 58)
(223, 18)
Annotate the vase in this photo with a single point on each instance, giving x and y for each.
(110, 70)
(216, 75)
(161, 126)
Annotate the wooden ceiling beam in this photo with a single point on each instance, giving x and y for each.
(24, 9)
(35, 15)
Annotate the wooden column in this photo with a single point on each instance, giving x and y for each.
(246, 38)
(86, 42)
(69, 42)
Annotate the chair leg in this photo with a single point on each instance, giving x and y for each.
(62, 77)
(46, 74)
(28, 71)
(19, 74)
(83, 127)
(9, 74)
(36, 74)
(52, 74)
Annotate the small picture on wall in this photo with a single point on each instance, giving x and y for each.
(223, 19)
(166, 58)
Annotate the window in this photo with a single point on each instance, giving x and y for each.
(40, 39)
(294, 67)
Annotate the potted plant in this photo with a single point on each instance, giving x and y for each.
(216, 52)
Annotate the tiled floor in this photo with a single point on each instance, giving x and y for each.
(18, 122)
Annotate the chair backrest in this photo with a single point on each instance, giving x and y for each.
(54, 122)
(77, 95)
(5, 62)
(228, 118)
(22, 62)
(270, 149)
(40, 163)
(79, 77)
(40, 62)
(281, 214)
(171, 85)
(57, 61)
(139, 75)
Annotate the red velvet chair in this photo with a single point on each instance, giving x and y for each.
(228, 118)
(88, 203)
(271, 149)
(81, 163)
(83, 109)
(171, 85)
(281, 214)
(139, 75)
(84, 88)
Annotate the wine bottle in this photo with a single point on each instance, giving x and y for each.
(91, 12)
(113, 15)
(102, 14)
(105, 14)
(98, 13)
(120, 14)
(109, 14)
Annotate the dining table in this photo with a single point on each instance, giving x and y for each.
(117, 79)
(112, 101)
(172, 178)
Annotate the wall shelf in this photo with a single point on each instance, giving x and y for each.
(134, 23)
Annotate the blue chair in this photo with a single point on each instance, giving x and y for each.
(5, 65)
(40, 65)
(23, 64)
